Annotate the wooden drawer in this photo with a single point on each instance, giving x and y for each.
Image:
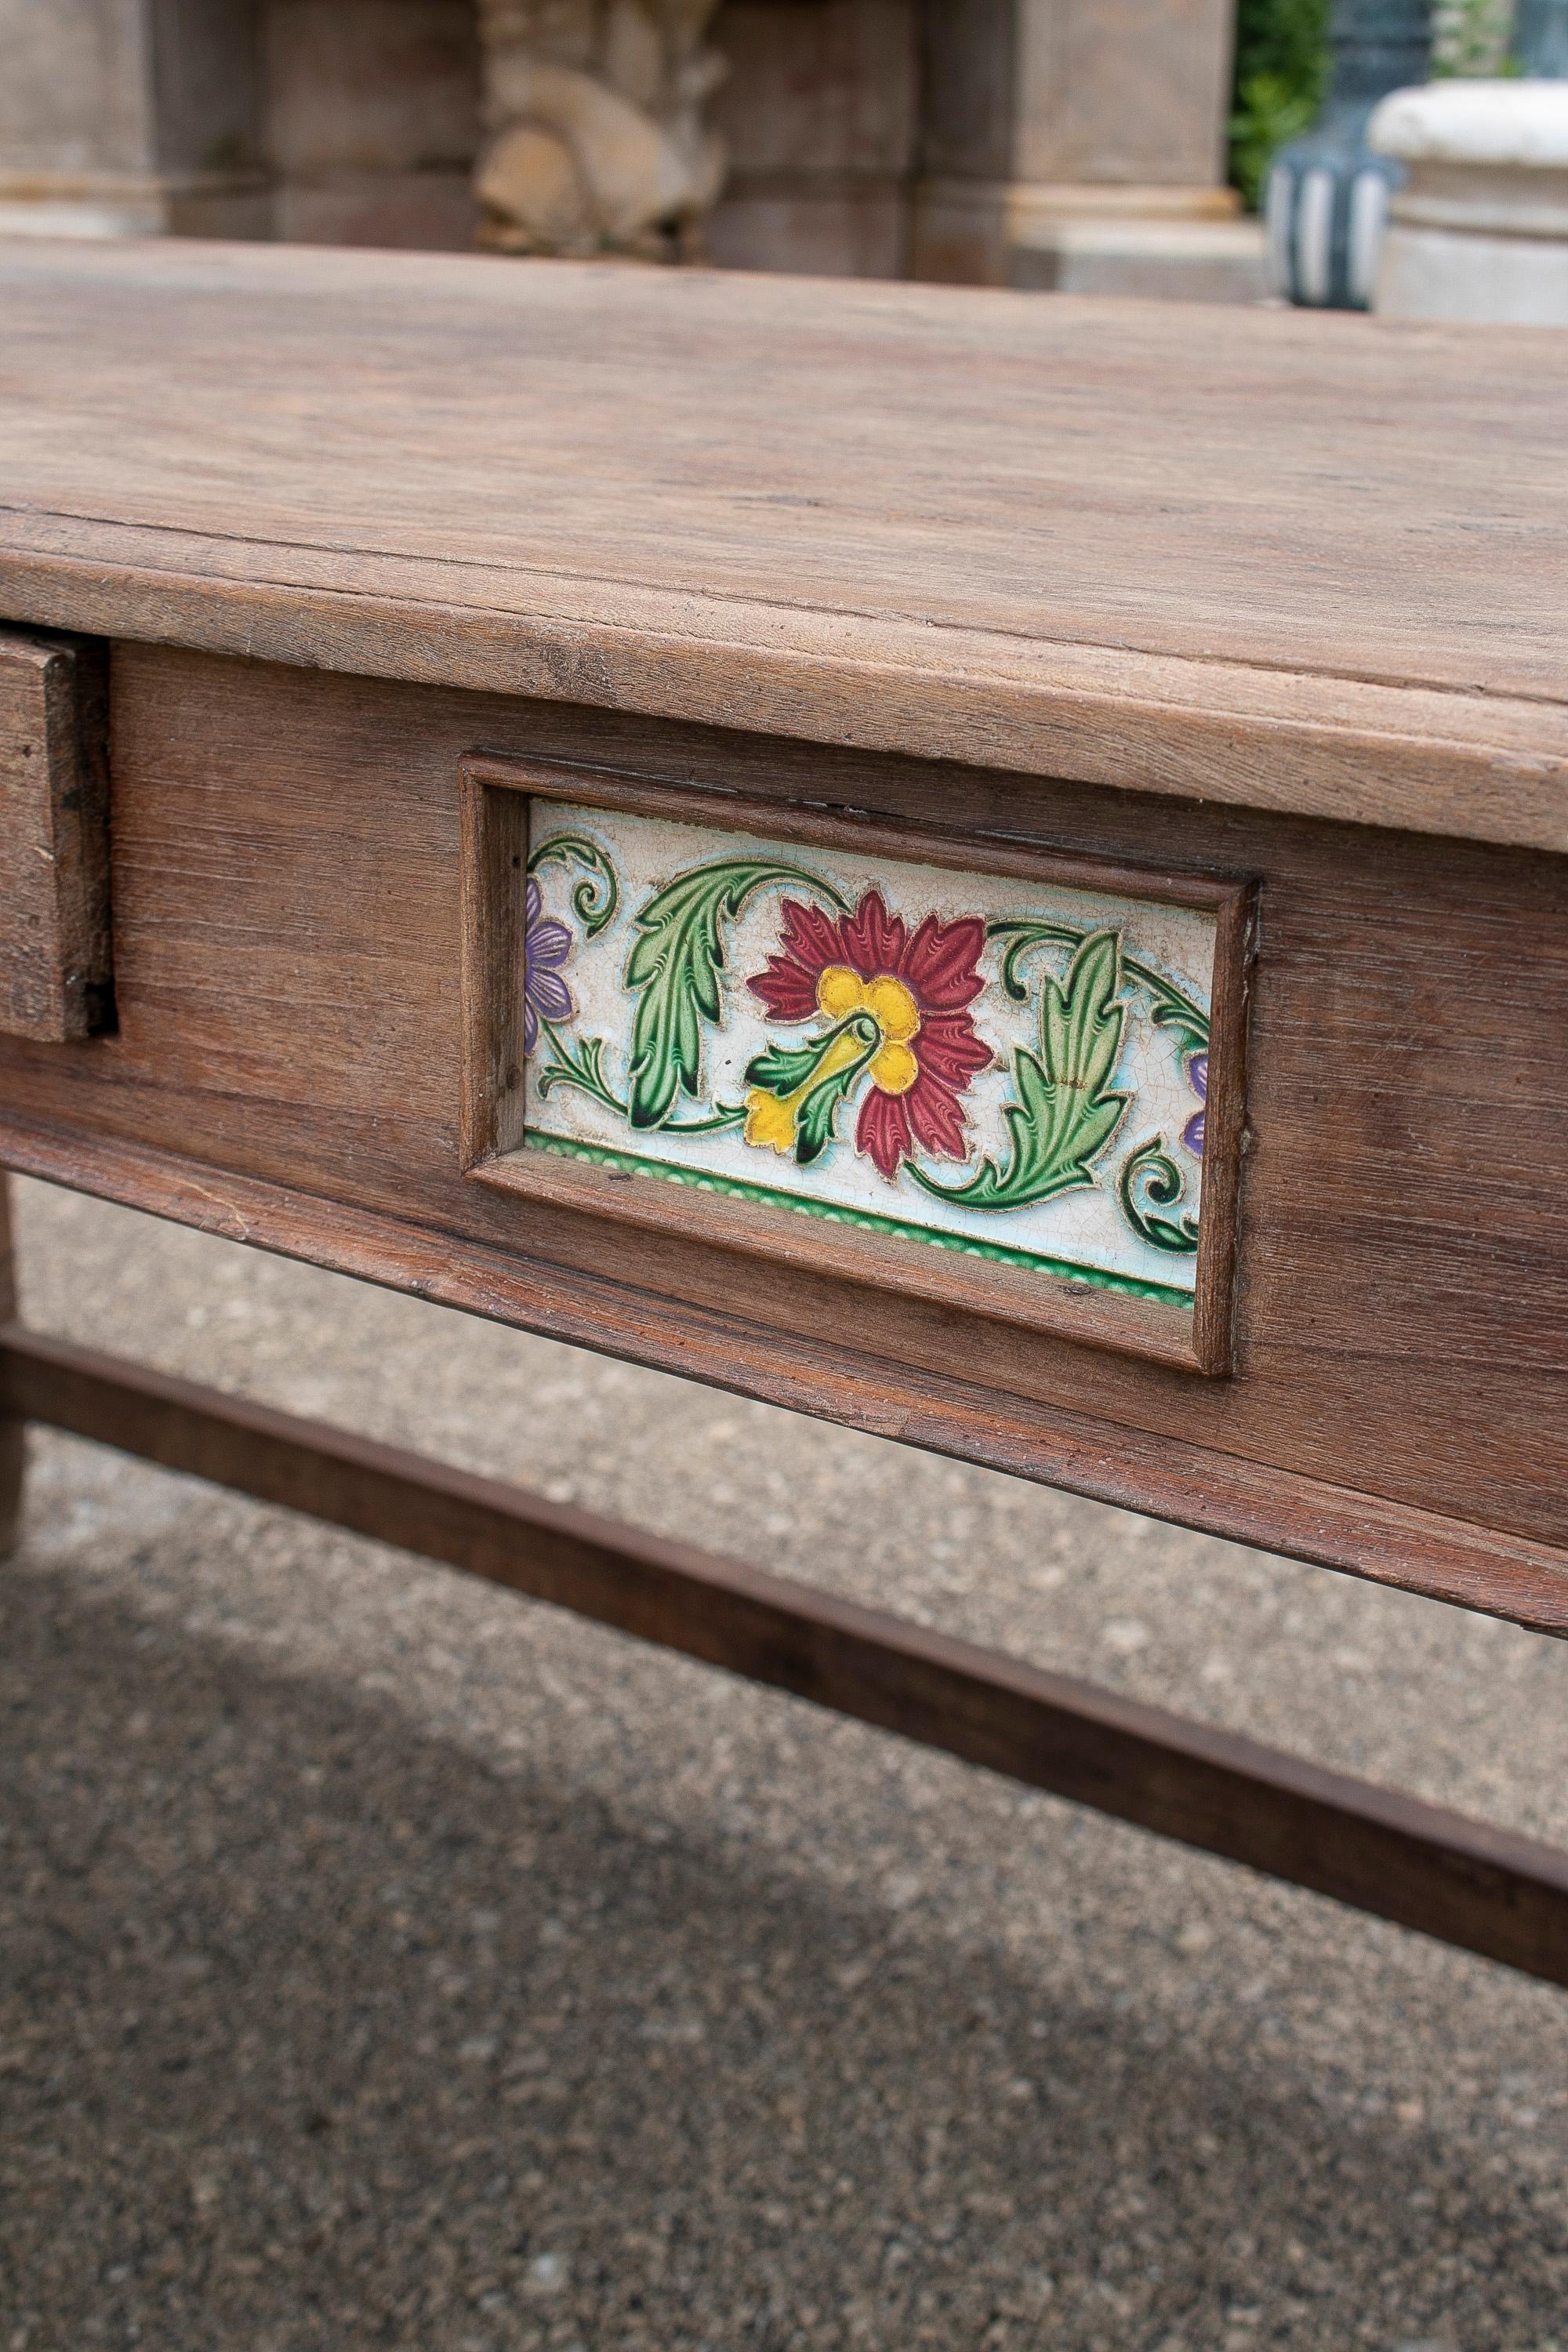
(55, 972)
(306, 864)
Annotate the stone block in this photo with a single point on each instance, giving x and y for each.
(146, 203)
(820, 113)
(816, 225)
(1047, 112)
(1068, 90)
(1134, 92)
(426, 211)
(129, 117)
(989, 233)
(74, 95)
(367, 86)
(1188, 261)
(827, 87)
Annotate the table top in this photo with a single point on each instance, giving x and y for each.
(1271, 557)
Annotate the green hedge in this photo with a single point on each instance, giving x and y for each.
(1281, 67)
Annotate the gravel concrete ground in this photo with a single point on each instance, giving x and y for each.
(386, 1961)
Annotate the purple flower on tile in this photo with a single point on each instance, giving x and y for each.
(1198, 1079)
(546, 944)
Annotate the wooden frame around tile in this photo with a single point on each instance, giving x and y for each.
(496, 796)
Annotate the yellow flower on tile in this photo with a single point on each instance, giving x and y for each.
(895, 1068)
(771, 1118)
(840, 992)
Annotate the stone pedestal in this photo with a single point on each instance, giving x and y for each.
(1479, 230)
(1079, 145)
(130, 118)
(1187, 244)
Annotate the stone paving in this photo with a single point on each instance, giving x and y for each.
(386, 1962)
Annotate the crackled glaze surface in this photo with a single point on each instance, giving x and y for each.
(1013, 1068)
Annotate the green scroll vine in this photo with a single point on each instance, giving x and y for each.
(596, 898)
(674, 971)
(1066, 1113)
(1150, 1181)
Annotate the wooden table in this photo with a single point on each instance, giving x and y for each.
(989, 869)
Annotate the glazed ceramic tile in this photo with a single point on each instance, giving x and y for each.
(1008, 1067)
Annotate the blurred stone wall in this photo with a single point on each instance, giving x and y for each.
(371, 120)
(821, 114)
(125, 118)
(1041, 143)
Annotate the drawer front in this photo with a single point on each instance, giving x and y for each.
(54, 855)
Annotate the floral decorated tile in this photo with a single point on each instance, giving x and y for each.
(1011, 1068)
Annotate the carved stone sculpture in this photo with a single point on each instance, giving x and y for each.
(596, 137)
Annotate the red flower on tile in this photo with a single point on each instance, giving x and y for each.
(915, 986)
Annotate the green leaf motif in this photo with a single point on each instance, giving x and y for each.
(1150, 1180)
(816, 1127)
(780, 1068)
(1169, 1006)
(1067, 1110)
(583, 1069)
(675, 968)
(814, 1079)
(596, 897)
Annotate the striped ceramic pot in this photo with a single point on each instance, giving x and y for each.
(1327, 201)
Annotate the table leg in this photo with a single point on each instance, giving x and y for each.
(11, 1423)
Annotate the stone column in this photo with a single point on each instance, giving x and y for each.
(1079, 145)
(594, 115)
(130, 118)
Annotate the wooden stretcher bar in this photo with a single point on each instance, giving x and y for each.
(1485, 1889)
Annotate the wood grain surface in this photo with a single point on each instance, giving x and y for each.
(1272, 559)
(287, 1069)
(55, 963)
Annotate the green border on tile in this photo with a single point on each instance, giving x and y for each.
(600, 1155)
